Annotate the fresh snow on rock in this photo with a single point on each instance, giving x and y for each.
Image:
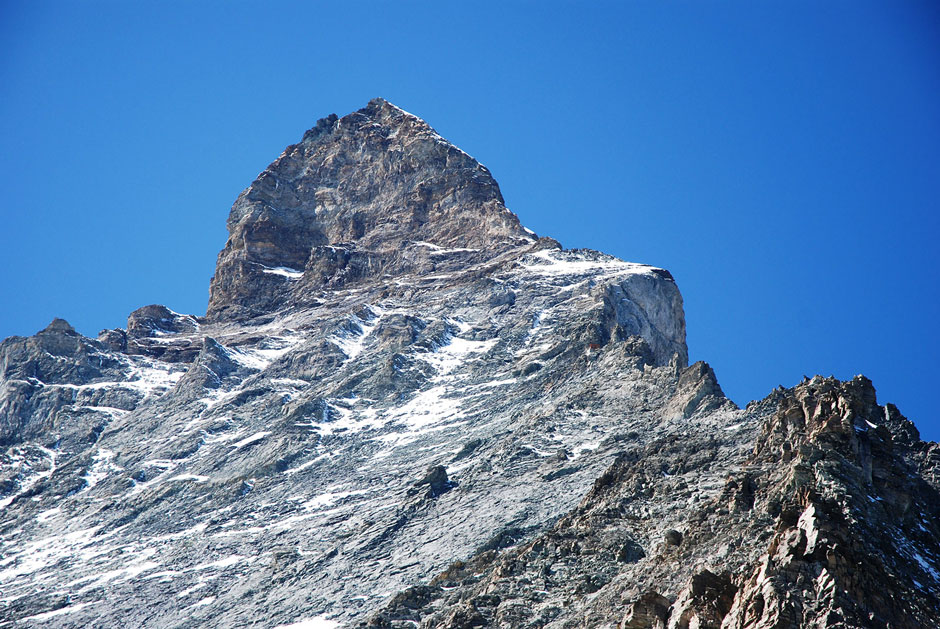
(437, 399)
(317, 622)
(283, 271)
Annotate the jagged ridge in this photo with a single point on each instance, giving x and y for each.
(827, 522)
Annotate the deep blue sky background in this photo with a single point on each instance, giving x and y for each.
(781, 159)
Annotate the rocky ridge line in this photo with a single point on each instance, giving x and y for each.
(827, 522)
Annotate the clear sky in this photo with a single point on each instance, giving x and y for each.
(782, 159)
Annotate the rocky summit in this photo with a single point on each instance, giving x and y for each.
(404, 409)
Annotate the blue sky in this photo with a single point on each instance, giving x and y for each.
(782, 159)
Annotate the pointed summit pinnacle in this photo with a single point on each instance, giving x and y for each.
(342, 205)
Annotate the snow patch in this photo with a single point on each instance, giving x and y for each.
(196, 478)
(101, 466)
(35, 478)
(328, 499)
(427, 408)
(454, 351)
(45, 552)
(283, 271)
(317, 622)
(352, 337)
(553, 263)
(48, 514)
(444, 252)
(220, 564)
(258, 436)
(267, 351)
(144, 376)
(58, 612)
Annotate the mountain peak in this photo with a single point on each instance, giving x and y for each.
(59, 326)
(380, 106)
(367, 184)
(405, 410)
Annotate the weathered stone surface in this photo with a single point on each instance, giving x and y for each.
(822, 522)
(375, 192)
(403, 408)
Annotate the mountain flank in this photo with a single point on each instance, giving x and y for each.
(404, 409)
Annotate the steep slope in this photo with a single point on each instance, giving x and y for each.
(316, 458)
(394, 375)
(341, 207)
(826, 520)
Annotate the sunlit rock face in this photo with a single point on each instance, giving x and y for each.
(404, 409)
(343, 205)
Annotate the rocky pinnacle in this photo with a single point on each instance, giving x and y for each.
(341, 206)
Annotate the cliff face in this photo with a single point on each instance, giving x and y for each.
(348, 203)
(403, 408)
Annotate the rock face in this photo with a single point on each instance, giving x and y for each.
(403, 409)
(825, 520)
(354, 200)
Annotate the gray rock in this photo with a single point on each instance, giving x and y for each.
(404, 408)
(373, 193)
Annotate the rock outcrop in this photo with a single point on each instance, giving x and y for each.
(404, 409)
(826, 522)
(368, 196)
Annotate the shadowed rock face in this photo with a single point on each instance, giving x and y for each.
(342, 205)
(403, 409)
